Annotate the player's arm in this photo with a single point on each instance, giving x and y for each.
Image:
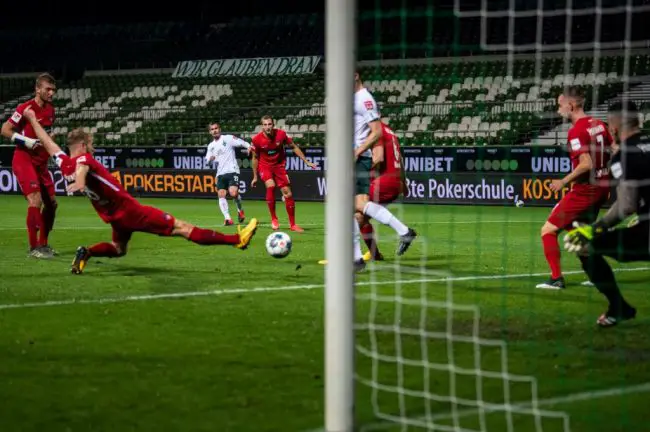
(402, 171)
(254, 163)
(624, 206)
(80, 174)
(372, 138)
(9, 131)
(585, 165)
(296, 150)
(238, 142)
(48, 143)
(209, 157)
(377, 156)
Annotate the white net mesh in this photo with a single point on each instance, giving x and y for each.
(430, 369)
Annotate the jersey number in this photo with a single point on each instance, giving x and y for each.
(601, 142)
(90, 194)
(396, 153)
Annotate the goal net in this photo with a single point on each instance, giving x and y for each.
(453, 335)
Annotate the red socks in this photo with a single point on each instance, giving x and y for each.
(290, 204)
(198, 236)
(369, 237)
(552, 253)
(34, 223)
(103, 250)
(48, 213)
(270, 201)
(208, 237)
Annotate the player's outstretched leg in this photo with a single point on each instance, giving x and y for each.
(207, 237)
(381, 214)
(552, 254)
(105, 249)
(115, 249)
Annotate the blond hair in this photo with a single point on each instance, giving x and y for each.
(78, 136)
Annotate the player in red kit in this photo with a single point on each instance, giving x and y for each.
(29, 165)
(269, 160)
(387, 184)
(119, 209)
(589, 144)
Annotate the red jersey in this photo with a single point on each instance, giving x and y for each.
(270, 151)
(45, 116)
(589, 135)
(106, 194)
(392, 165)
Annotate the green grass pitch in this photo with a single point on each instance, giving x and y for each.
(176, 336)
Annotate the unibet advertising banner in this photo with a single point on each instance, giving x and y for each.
(479, 160)
(443, 188)
(247, 67)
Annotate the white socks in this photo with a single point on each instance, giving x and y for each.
(357, 242)
(381, 214)
(223, 205)
(238, 202)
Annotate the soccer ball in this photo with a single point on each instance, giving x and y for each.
(278, 244)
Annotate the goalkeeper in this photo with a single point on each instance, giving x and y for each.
(630, 169)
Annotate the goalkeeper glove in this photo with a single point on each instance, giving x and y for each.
(581, 235)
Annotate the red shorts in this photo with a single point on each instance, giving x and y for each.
(580, 205)
(143, 219)
(277, 173)
(31, 178)
(384, 190)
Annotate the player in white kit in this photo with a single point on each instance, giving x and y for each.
(222, 151)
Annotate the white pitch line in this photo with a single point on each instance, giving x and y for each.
(218, 292)
(596, 394)
(567, 399)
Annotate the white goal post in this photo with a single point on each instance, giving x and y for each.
(340, 58)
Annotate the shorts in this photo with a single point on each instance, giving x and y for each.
(31, 178)
(624, 244)
(580, 205)
(142, 219)
(384, 190)
(227, 180)
(277, 173)
(362, 176)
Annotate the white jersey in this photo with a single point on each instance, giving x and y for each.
(223, 151)
(365, 112)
